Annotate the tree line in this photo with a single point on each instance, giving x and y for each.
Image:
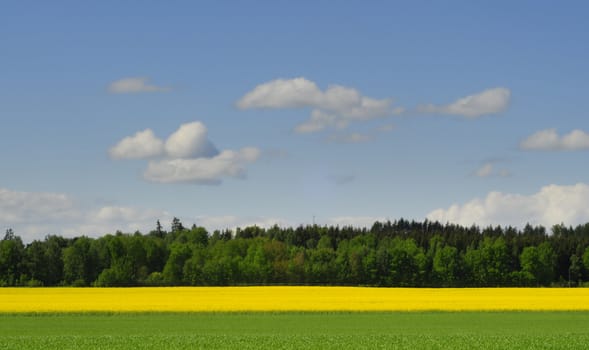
(389, 254)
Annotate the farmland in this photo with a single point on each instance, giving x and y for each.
(296, 330)
(293, 318)
(290, 298)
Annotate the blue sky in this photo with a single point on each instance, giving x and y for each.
(349, 112)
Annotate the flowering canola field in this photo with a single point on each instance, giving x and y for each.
(231, 299)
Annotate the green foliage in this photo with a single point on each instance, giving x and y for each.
(12, 252)
(575, 270)
(173, 270)
(80, 262)
(399, 253)
(586, 259)
(446, 265)
(539, 262)
(488, 264)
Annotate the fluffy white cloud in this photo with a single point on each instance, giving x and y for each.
(282, 93)
(208, 171)
(144, 144)
(134, 85)
(189, 156)
(549, 140)
(552, 205)
(190, 141)
(33, 215)
(490, 101)
(336, 106)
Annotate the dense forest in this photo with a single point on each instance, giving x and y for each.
(400, 253)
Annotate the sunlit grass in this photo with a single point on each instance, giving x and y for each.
(232, 299)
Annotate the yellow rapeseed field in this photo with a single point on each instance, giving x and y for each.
(203, 299)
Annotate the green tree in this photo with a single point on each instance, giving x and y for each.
(54, 246)
(408, 263)
(193, 267)
(11, 258)
(174, 268)
(80, 262)
(575, 270)
(585, 259)
(321, 266)
(156, 253)
(177, 225)
(488, 265)
(35, 262)
(446, 264)
(128, 261)
(539, 262)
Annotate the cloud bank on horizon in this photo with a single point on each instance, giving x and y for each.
(36, 214)
(549, 206)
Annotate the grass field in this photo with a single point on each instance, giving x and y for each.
(395, 330)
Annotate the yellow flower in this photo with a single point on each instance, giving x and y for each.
(203, 299)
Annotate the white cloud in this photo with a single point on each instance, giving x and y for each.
(485, 171)
(190, 141)
(109, 219)
(551, 205)
(488, 170)
(549, 140)
(31, 207)
(33, 215)
(490, 101)
(189, 156)
(282, 93)
(319, 120)
(336, 106)
(144, 144)
(134, 85)
(231, 222)
(207, 171)
(356, 221)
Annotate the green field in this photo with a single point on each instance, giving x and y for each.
(431, 330)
